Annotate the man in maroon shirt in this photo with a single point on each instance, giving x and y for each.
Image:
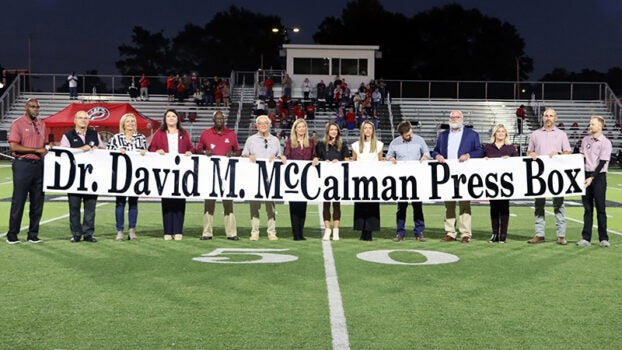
(27, 143)
(219, 141)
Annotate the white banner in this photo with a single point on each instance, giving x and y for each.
(178, 176)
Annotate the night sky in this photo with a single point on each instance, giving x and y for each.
(69, 35)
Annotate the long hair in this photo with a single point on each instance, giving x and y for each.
(494, 131)
(294, 137)
(122, 121)
(338, 141)
(163, 126)
(373, 142)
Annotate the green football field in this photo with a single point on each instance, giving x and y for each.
(285, 294)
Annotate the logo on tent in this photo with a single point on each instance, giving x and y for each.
(98, 113)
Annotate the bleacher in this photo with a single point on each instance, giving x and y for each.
(154, 109)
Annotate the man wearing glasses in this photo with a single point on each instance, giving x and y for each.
(27, 143)
(262, 145)
(460, 143)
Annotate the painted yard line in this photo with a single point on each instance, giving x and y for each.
(52, 220)
(6, 183)
(338, 325)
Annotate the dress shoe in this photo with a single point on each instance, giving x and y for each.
(536, 240)
(398, 238)
(420, 238)
(447, 238)
(34, 240)
(75, 239)
(234, 238)
(562, 241)
(206, 238)
(90, 239)
(465, 239)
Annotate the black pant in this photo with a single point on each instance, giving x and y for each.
(297, 215)
(87, 227)
(499, 218)
(27, 182)
(173, 211)
(595, 197)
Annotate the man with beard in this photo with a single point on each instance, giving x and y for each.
(457, 142)
(27, 143)
(219, 141)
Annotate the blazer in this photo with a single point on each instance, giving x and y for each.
(160, 141)
(468, 144)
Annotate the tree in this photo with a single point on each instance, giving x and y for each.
(149, 55)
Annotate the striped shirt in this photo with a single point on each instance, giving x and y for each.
(137, 143)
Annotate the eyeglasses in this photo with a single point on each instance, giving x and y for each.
(34, 125)
(265, 145)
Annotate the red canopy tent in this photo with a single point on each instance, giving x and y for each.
(104, 118)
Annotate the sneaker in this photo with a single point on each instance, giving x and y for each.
(12, 240)
(398, 238)
(74, 239)
(420, 238)
(536, 240)
(583, 243)
(254, 237)
(168, 237)
(562, 241)
(605, 244)
(90, 239)
(273, 237)
(34, 240)
(120, 236)
(178, 237)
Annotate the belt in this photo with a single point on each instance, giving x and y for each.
(28, 160)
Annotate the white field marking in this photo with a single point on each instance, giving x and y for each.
(6, 183)
(338, 326)
(52, 220)
(581, 222)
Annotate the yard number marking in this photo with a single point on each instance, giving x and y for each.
(216, 256)
(433, 258)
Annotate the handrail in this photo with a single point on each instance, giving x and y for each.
(10, 95)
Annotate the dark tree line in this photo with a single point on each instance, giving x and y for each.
(443, 43)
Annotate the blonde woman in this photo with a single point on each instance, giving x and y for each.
(367, 149)
(127, 140)
(499, 147)
(299, 147)
(332, 149)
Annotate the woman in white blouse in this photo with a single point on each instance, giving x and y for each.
(367, 149)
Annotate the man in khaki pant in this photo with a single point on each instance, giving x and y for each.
(457, 142)
(262, 145)
(219, 141)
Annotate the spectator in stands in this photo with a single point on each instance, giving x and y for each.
(408, 146)
(375, 118)
(350, 119)
(340, 118)
(549, 141)
(376, 99)
(172, 138)
(198, 97)
(226, 92)
(127, 140)
(144, 88)
(521, 114)
(72, 80)
(310, 111)
(170, 88)
(383, 90)
(306, 89)
(269, 84)
(81, 137)
(181, 91)
(299, 147)
(332, 149)
(133, 91)
(27, 138)
(596, 149)
(262, 145)
(271, 104)
(218, 141)
(368, 149)
(287, 85)
(260, 108)
(321, 95)
(357, 102)
(499, 147)
(208, 92)
(284, 108)
(461, 143)
(330, 93)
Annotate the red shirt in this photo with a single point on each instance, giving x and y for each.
(160, 141)
(219, 143)
(28, 134)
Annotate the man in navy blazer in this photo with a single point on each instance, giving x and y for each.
(460, 143)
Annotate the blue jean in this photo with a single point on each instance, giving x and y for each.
(132, 212)
(417, 218)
